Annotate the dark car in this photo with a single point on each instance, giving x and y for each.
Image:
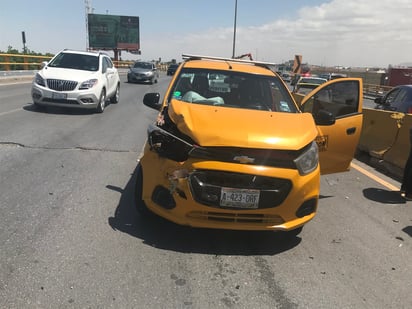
(143, 72)
(398, 99)
(172, 68)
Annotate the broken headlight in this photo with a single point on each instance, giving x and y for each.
(308, 161)
(167, 144)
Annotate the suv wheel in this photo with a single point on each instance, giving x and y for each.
(140, 204)
(102, 102)
(115, 98)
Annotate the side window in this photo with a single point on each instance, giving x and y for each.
(399, 100)
(104, 65)
(108, 63)
(402, 96)
(391, 96)
(340, 99)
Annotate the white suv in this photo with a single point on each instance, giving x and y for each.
(77, 79)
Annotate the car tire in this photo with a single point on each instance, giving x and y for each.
(102, 102)
(139, 203)
(115, 98)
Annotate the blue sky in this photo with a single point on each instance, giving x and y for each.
(325, 32)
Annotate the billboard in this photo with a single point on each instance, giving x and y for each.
(113, 32)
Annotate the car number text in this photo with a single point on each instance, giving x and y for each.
(239, 198)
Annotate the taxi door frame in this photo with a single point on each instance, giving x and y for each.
(337, 142)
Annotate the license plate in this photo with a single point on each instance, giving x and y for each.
(239, 198)
(59, 96)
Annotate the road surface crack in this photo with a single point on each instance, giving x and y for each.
(81, 148)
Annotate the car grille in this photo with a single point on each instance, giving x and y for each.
(236, 217)
(61, 84)
(62, 101)
(207, 184)
(266, 157)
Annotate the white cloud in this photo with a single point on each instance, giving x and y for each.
(349, 33)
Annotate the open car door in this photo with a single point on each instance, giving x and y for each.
(336, 107)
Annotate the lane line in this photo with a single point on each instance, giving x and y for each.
(12, 111)
(374, 177)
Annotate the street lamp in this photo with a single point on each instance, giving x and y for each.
(234, 31)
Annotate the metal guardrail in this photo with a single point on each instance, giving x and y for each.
(30, 62)
(375, 90)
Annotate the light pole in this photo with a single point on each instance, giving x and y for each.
(234, 31)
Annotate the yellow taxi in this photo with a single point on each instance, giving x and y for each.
(232, 148)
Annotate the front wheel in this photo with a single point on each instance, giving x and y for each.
(102, 102)
(115, 98)
(139, 203)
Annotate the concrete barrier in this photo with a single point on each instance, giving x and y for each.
(379, 131)
(398, 153)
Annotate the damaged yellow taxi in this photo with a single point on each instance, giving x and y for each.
(231, 147)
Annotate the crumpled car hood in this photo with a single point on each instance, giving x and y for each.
(223, 126)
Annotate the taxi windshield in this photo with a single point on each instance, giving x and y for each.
(232, 89)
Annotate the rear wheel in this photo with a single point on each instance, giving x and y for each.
(102, 102)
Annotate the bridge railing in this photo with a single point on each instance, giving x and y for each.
(374, 91)
(11, 62)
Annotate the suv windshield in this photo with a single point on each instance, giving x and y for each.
(232, 89)
(75, 61)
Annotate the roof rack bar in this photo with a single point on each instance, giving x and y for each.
(198, 57)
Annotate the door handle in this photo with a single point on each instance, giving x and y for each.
(351, 131)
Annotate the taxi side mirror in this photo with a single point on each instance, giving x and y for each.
(152, 100)
(324, 118)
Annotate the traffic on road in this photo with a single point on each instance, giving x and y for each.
(71, 235)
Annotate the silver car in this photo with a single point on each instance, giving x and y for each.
(143, 72)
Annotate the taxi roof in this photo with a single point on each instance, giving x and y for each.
(229, 64)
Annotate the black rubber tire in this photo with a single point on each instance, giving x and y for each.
(115, 98)
(139, 203)
(102, 102)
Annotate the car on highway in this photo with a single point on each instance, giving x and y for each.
(142, 71)
(287, 77)
(171, 69)
(78, 79)
(231, 148)
(307, 84)
(397, 99)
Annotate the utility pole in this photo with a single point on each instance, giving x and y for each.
(88, 10)
(23, 37)
(234, 31)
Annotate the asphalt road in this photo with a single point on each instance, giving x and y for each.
(70, 237)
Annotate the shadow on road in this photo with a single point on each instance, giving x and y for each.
(383, 196)
(55, 110)
(159, 233)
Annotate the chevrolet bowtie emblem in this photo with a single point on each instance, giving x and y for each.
(244, 159)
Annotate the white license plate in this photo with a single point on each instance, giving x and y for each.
(59, 96)
(239, 198)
